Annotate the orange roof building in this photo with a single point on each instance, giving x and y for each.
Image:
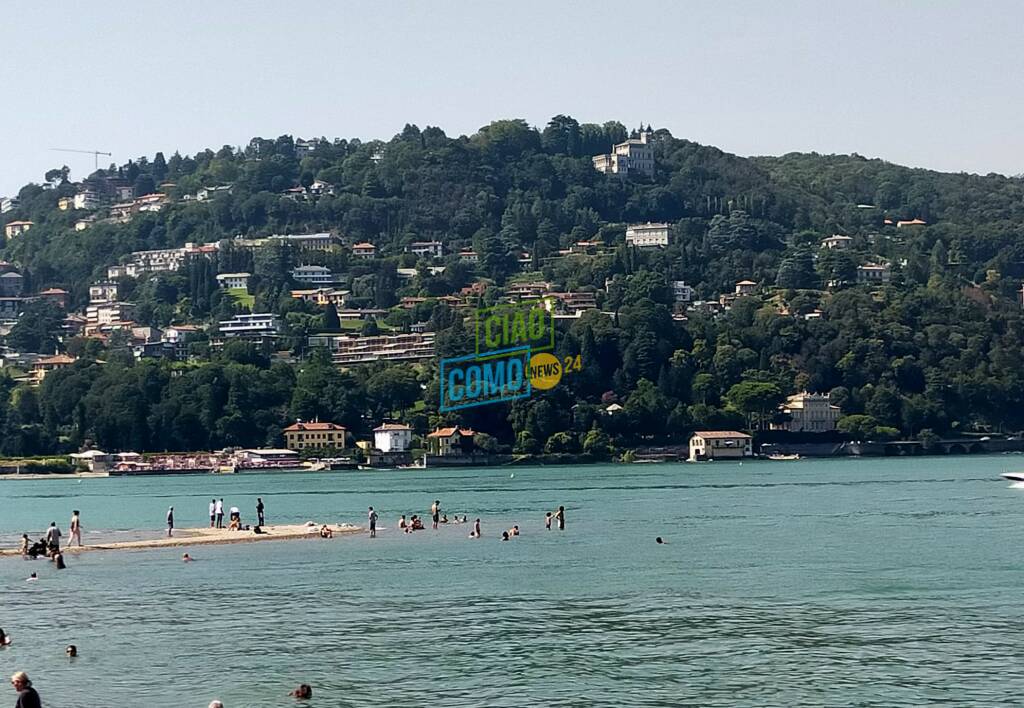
(315, 436)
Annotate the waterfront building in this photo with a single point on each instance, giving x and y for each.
(450, 442)
(392, 437)
(315, 435)
(720, 444)
(808, 413)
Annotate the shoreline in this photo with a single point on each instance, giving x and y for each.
(208, 537)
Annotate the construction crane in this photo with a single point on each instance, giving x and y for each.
(95, 153)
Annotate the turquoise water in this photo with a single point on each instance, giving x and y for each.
(839, 583)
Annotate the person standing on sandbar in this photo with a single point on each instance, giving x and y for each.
(53, 538)
(372, 518)
(259, 511)
(170, 521)
(219, 510)
(213, 512)
(76, 529)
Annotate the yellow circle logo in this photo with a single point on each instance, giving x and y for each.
(545, 371)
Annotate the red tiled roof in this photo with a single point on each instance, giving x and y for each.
(58, 359)
(391, 426)
(448, 432)
(295, 427)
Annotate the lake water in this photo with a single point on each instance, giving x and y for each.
(888, 582)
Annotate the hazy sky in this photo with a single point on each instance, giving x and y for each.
(929, 83)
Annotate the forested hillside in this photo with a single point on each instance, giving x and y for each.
(934, 348)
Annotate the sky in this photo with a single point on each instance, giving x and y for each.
(931, 83)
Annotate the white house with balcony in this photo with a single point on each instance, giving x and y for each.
(682, 292)
(314, 274)
(364, 251)
(103, 292)
(647, 235)
(234, 281)
(808, 413)
(392, 437)
(251, 326)
(874, 273)
(428, 249)
(837, 242)
(88, 200)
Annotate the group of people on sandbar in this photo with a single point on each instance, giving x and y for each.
(49, 544)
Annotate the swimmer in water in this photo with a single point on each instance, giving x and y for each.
(303, 691)
(476, 529)
(186, 558)
(504, 535)
(71, 651)
(32, 577)
(547, 521)
(5, 640)
(514, 531)
(659, 540)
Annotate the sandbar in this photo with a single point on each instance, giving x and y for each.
(54, 475)
(208, 536)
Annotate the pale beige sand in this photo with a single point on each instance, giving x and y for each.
(55, 475)
(207, 536)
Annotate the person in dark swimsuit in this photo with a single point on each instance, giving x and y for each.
(560, 516)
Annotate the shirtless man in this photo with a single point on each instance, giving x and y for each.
(435, 512)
